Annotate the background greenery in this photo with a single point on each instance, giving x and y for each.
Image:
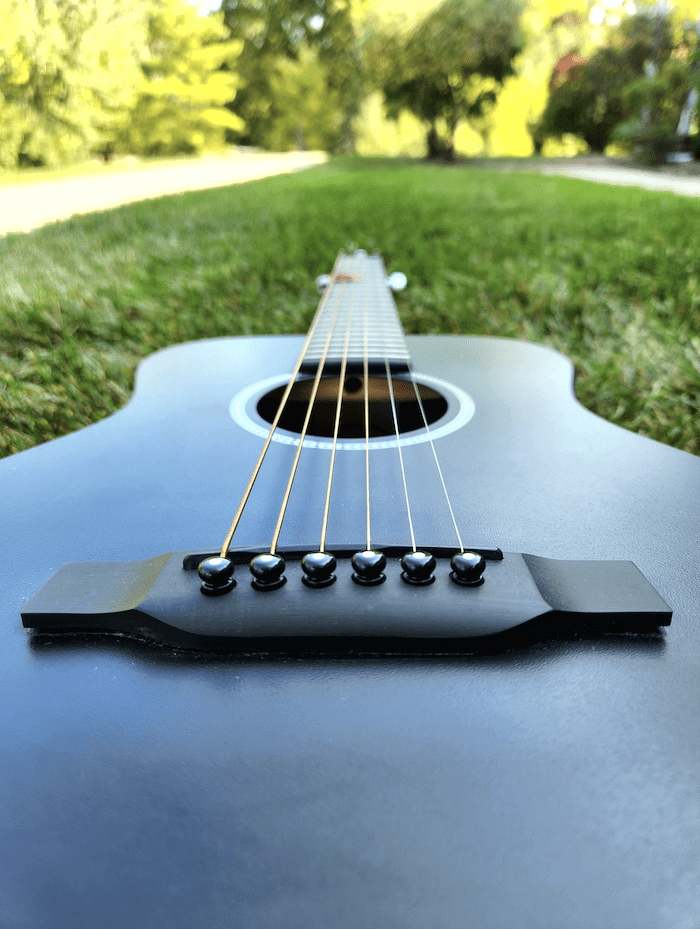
(87, 78)
(79, 77)
(610, 276)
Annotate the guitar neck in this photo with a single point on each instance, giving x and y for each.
(359, 314)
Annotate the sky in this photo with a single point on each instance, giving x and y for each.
(205, 6)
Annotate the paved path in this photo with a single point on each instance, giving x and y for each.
(26, 206)
(618, 175)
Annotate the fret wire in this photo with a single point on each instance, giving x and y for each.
(278, 415)
(302, 435)
(384, 333)
(437, 463)
(336, 424)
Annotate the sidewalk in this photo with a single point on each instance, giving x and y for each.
(682, 185)
(27, 206)
(681, 179)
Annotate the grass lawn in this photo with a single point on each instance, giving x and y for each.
(609, 276)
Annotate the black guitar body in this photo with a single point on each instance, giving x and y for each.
(517, 782)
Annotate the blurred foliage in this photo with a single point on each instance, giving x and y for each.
(183, 92)
(316, 35)
(79, 77)
(68, 73)
(84, 76)
(310, 111)
(449, 66)
(656, 100)
(589, 100)
(631, 89)
(557, 32)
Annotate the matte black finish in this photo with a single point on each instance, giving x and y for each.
(157, 598)
(554, 784)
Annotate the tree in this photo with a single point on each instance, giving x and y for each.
(559, 35)
(84, 76)
(587, 100)
(276, 32)
(451, 66)
(596, 96)
(310, 112)
(68, 76)
(17, 23)
(183, 91)
(656, 99)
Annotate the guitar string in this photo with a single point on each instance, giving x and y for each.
(302, 434)
(432, 446)
(435, 457)
(278, 415)
(282, 405)
(437, 463)
(336, 423)
(398, 441)
(365, 379)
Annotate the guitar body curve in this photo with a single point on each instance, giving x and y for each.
(553, 784)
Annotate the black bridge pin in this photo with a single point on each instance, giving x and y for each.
(318, 568)
(267, 571)
(216, 574)
(369, 568)
(418, 568)
(468, 569)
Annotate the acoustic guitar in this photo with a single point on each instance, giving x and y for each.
(355, 629)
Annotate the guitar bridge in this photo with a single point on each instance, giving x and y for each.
(160, 599)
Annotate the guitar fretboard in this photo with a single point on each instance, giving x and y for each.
(359, 300)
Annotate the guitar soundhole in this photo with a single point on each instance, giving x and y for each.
(352, 417)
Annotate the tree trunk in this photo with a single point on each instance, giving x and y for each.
(438, 148)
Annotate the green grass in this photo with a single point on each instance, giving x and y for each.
(610, 276)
